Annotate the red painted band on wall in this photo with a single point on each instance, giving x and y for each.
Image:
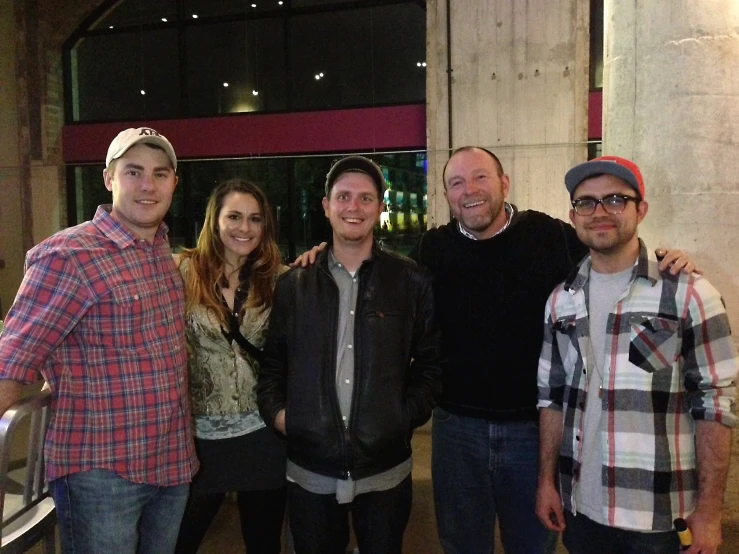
(245, 135)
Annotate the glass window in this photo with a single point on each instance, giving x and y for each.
(131, 75)
(135, 13)
(219, 8)
(139, 61)
(358, 57)
(224, 83)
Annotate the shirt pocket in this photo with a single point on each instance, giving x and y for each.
(653, 343)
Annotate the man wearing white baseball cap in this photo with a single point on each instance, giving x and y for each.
(100, 315)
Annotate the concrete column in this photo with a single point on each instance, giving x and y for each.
(671, 103)
(519, 87)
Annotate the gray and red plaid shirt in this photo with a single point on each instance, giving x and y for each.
(100, 314)
(669, 361)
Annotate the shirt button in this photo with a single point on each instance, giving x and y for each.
(135, 296)
(351, 312)
(354, 280)
(346, 381)
(343, 417)
(235, 396)
(348, 345)
(577, 438)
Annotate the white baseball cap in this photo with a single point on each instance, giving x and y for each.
(126, 139)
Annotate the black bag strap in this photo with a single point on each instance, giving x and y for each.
(234, 331)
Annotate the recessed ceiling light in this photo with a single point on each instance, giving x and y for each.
(143, 92)
(164, 19)
(194, 16)
(255, 92)
(225, 85)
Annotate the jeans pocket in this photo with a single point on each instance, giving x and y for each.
(441, 415)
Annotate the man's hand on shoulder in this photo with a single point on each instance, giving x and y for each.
(309, 257)
(676, 261)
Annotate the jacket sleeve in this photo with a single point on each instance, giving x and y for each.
(272, 382)
(424, 386)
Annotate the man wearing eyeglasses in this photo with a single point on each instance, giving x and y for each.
(636, 385)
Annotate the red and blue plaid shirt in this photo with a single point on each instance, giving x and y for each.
(100, 314)
(669, 361)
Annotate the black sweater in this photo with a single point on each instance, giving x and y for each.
(490, 297)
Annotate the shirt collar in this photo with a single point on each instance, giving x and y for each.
(509, 216)
(119, 233)
(645, 267)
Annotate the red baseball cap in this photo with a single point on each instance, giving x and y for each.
(606, 165)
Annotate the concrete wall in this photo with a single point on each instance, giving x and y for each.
(671, 103)
(519, 88)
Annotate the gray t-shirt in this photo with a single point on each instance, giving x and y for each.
(604, 290)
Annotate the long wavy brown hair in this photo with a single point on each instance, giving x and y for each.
(207, 259)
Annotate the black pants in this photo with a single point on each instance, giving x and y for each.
(261, 514)
(320, 525)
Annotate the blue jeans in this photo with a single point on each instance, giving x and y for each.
(98, 511)
(583, 536)
(481, 469)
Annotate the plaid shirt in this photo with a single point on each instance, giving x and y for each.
(669, 361)
(100, 314)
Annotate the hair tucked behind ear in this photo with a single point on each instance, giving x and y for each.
(207, 259)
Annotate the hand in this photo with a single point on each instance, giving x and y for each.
(309, 257)
(706, 531)
(676, 261)
(549, 508)
(280, 422)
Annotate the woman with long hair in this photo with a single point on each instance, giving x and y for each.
(229, 281)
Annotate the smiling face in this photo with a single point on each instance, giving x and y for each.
(142, 182)
(476, 190)
(608, 234)
(240, 226)
(353, 207)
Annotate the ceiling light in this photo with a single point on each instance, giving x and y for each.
(225, 85)
(418, 64)
(279, 3)
(255, 92)
(164, 19)
(143, 92)
(194, 16)
(423, 64)
(317, 76)
(110, 27)
(320, 74)
(253, 5)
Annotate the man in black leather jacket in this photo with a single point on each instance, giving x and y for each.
(353, 358)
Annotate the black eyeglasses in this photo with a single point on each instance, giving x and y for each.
(613, 204)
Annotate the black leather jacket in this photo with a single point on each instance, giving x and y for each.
(397, 348)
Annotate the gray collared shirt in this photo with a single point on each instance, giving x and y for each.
(346, 489)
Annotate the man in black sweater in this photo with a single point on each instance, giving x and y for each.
(493, 267)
